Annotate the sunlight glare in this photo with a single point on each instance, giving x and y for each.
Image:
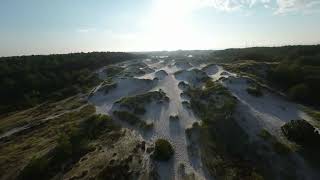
(170, 27)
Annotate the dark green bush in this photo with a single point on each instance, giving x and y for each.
(174, 117)
(96, 125)
(299, 92)
(299, 79)
(127, 116)
(302, 132)
(113, 70)
(281, 148)
(36, 169)
(255, 91)
(138, 102)
(132, 119)
(163, 150)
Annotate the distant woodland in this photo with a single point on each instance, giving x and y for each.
(30, 80)
(298, 71)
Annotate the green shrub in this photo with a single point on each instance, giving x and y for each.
(174, 117)
(186, 104)
(147, 126)
(189, 130)
(299, 78)
(131, 118)
(280, 148)
(108, 87)
(255, 176)
(210, 84)
(138, 102)
(163, 150)
(299, 92)
(313, 113)
(36, 169)
(255, 91)
(71, 146)
(302, 132)
(264, 134)
(277, 146)
(113, 70)
(96, 125)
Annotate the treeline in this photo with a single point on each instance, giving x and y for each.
(299, 78)
(298, 73)
(272, 54)
(29, 80)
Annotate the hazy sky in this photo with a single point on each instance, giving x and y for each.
(62, 26)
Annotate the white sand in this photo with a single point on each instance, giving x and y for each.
(252, 114)
(269, 111)
(158, 113)
(125, 87)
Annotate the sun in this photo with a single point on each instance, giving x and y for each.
(169, 26)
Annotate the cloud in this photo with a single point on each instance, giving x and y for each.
(231, 5)
(286, 6)
(227, 5)
(85, 30)
(279, 6)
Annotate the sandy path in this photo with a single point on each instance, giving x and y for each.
(159, 115)
(172, 131)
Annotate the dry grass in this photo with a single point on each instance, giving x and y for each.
(18, 149)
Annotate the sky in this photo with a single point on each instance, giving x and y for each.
(65, 26)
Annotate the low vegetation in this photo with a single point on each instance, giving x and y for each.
(292, 69)
(186, 104)
(132, 119)
(127, 116)
(40, 141)
(163, 150)
(71, 146)
(107, 87)
(194, 77)
(204, 101)
(277, 146)
(174, 118)
(189, 130)
(111, 71)
(218, 147)
(301, 132)
(183, 85)
(264, 134)
(299, 78)
(255, 91)
(313, 113)
(137, 103)
(250, 68)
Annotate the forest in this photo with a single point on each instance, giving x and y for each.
(29, 80)
(271, 54)
(297, 73)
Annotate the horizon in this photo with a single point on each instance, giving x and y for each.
(79, 52)
(44, 27)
